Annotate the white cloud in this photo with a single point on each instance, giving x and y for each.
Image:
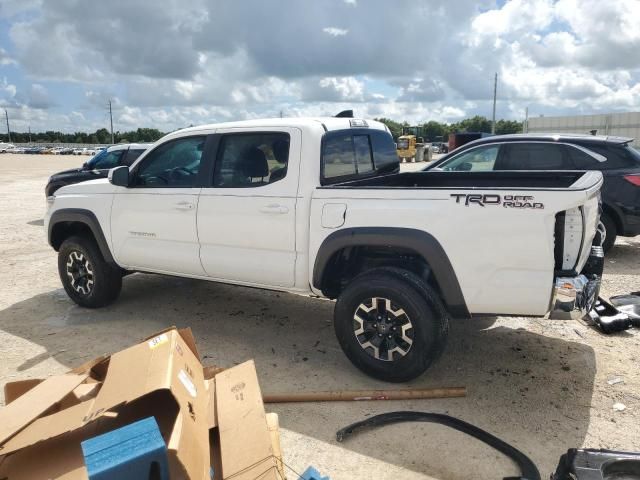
(335, 32)
(172, 63)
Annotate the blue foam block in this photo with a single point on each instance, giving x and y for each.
(312, 474)
(135, 451)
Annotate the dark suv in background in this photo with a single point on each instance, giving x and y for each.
(97, 166)
(613, 156)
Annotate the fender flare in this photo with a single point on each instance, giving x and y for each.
(86, 217)
(423, 243)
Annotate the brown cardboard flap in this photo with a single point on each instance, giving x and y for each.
(48, 427)
(13, 390)
(25, 409)
(274, 431)
(212, 421)
(245, 442)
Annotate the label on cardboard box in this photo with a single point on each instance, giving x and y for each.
(157, 341)
(188, 384)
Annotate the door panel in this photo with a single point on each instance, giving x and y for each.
(156, 230)
(153, 222)
(246, 221)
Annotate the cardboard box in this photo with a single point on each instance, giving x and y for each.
(216, 420)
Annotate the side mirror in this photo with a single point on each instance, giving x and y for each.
(119, 176)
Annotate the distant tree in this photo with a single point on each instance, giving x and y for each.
(508, 126)
(474, 124)
(394, 127)
(432, 130)
(103, 135)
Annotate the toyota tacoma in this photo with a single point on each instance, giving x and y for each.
(319, 207)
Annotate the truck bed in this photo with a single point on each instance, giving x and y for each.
(476, 180)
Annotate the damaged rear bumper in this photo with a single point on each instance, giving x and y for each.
(574, 296)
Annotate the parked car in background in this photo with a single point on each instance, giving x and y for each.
(6, 147)
(618, 162)
(98, 166)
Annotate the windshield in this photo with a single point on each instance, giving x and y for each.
(403, 143)
(93, 161)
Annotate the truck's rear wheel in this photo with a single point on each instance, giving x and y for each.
(86, 277)
(391, 324)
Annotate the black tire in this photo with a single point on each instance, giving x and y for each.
(424, 312)
(611, 232)
(87, 278)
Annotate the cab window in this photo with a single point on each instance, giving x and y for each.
(479, 159)
(172, 164)
(251, 159)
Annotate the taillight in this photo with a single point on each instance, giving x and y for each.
(635, 179)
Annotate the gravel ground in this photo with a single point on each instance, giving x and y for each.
(540, 385)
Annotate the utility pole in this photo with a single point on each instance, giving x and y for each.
(111, 118)
(495, 91)
(6, 115)
(29, 133)
(525, 126)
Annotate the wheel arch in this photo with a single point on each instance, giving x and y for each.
(412, 241)
(73, 221)
(615, 215)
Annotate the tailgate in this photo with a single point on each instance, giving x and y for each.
(582, 219)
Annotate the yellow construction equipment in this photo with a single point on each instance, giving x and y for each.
(407, 148)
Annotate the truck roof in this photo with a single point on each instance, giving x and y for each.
(328, 123)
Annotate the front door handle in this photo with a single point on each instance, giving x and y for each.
(274, 208)
(184, 206)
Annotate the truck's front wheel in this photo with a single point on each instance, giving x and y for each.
(391, 324)
(86, 277)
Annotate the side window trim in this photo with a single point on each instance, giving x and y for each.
(204, 160)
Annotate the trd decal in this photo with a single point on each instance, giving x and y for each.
(507, 201)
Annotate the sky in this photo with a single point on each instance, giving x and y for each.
(168, 64)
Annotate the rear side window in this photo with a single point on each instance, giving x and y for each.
(249, 160)
(534, 156)
(582, 161)
(618, 156)
(351, 154)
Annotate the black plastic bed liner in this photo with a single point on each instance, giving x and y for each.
(480, 180)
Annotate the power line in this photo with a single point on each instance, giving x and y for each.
(6, 115)
(111, 119)
(495, 91)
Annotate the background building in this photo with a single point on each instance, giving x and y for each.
(620, 124)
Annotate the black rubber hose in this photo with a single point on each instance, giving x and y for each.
(528, 469)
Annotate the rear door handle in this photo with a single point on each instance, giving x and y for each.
(274, 208)
(184, 206)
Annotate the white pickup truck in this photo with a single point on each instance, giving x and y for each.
(318, 207)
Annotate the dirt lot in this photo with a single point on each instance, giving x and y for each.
(539, 385)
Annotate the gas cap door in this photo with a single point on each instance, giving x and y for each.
(333, 215)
